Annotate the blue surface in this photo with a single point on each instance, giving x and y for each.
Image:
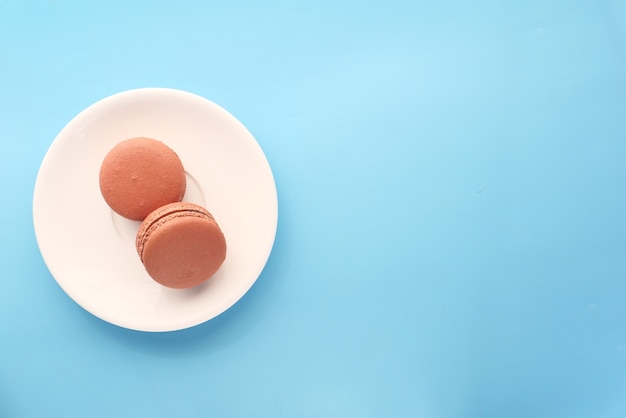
(452, 209)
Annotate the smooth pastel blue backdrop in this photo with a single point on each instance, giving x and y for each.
(452, 227)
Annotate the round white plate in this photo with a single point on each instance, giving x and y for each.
(90, 250)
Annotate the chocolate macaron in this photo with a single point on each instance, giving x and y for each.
(140, 175)
(181, 245)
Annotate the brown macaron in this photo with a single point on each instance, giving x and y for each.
(140, 175)
(181, 245)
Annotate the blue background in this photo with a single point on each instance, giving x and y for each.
(452, 208)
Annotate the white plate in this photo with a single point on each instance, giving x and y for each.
(90, 251)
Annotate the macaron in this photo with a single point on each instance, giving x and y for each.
(181, 245)
(139, 175)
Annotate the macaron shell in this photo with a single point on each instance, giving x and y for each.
(139, 175)
(181, 245)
